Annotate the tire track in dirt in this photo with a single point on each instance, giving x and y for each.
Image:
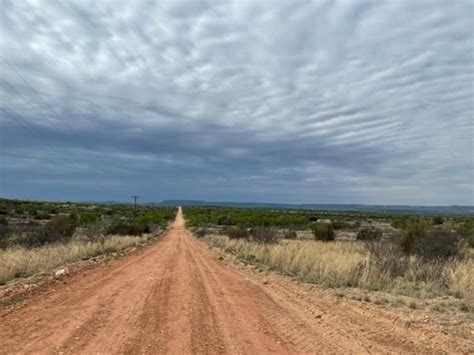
(177, 297)
(267, 314)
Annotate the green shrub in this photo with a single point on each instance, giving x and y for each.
(226, 221)
(369, 233)
(159, 216)
(414, 231)
(466, 228)
(88, 218)
(339, 225)
(19, 211)
(60, 228)
(437, 244)
(127, 228)
(323, 231)
(438, 220)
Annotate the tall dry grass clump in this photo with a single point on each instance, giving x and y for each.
(329, 264)
(347, 264)
(22, 262)
(460, 276)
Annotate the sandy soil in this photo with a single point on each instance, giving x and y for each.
(176, 296)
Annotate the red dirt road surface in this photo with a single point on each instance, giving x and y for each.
(177, 297)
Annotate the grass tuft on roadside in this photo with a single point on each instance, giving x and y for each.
(19, 261)
(342, 264)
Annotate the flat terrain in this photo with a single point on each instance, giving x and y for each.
(176, 296)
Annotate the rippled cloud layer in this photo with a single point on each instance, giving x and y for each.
(291, 101)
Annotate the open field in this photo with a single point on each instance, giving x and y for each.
(178, 296)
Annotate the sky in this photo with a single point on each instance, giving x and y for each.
(272, 101)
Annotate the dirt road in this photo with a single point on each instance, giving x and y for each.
(177, 297)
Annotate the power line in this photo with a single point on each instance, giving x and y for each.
(35, 92)
(33, 108)
(12, 115)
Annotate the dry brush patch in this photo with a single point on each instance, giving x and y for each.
(347, 264)
(19, 261)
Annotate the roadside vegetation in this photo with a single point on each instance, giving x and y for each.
(41, 236)
(418, 256)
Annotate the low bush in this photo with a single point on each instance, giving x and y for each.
(226, 221)
(237, 233)
(323, 231)
(438, 244)
(59, 229)
(466, 231)
(19, 211)
(369, 233)
(32, 234)
(127, 228)
(414, 231)
(200, 232)
(88, 218)
(93, 231)
(437, 220)
(339, 225)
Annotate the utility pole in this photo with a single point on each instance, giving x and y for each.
(135, 201)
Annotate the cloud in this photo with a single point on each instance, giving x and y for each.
(295, 101)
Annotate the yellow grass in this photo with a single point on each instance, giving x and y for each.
(461, 279)
(22, 262)
(346, 264)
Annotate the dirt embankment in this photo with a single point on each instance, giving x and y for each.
(177, 297)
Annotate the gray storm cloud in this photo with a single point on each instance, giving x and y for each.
(291, 101)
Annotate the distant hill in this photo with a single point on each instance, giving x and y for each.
(331, 207)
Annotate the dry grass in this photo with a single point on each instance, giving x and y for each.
(461, 279)
(346, 264)
(22, 262)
